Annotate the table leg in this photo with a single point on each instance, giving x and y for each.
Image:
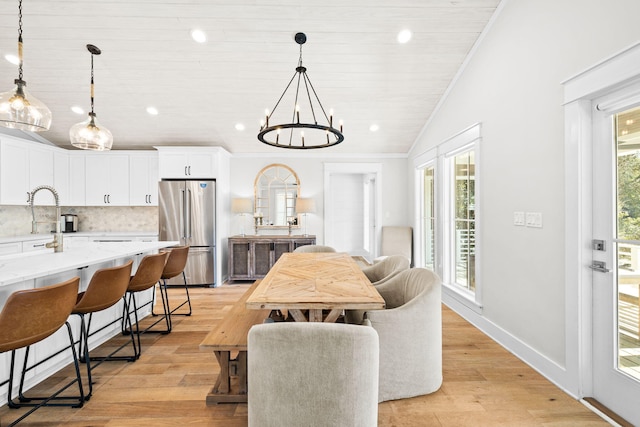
(333, 315)
(297, 315)
(223, 391)
(315, 315)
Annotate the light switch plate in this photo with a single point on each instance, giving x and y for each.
(533, 219)
(518, 218)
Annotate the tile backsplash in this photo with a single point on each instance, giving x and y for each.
(16, 220)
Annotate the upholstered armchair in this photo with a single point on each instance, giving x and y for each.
(312, 374)
(396, 240)
(410, 333)
(384, 270)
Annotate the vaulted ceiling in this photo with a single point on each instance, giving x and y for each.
(202, 90)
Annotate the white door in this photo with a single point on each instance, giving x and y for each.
(616, 256)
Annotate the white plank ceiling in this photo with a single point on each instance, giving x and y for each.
(202, 90)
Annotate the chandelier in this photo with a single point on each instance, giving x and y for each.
(319, 126)
(18, 108)
(89, 135)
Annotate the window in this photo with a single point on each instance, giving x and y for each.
(447, 198)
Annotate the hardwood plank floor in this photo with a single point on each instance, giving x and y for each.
(484, 385)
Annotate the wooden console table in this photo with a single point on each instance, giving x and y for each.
(251, 257)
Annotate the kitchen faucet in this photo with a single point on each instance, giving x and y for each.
(57, 238)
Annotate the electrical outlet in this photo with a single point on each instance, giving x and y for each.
(518, 218)
(533, 219)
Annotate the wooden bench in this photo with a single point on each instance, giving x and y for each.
(227, 339)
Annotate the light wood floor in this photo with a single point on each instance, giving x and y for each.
(484, 385)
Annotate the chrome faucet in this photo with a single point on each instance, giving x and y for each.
(57, 238)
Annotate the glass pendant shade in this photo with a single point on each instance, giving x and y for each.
(89, 135)
(21, 110)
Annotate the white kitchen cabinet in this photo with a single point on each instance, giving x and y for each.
(107, 179)
(143, 179)
(10, 248)
(189, 162)
(25, 165)
(77, 179)
(40, 244)
(61, 176)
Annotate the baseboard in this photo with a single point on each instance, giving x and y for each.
(546, 367)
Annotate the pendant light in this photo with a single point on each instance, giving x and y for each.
(18, 108)
(89, 135)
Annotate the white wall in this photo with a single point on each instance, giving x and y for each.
(511, 85)
(310, 171)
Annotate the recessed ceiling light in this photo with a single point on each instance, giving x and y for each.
(374, 127)
(198, 35)
(152, 110)
(77, 110)
(239, 127)
(12, 58)
(404, 36)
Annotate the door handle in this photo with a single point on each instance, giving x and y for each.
(600, 266)
(189, 213)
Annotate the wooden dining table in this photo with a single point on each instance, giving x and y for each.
(300, 283)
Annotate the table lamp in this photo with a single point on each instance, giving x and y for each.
(305, 206)
(242, 207)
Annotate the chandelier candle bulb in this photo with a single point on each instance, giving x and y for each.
(298, 113)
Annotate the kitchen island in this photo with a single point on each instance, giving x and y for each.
(44, 267)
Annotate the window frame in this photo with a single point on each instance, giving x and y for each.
(442, 158)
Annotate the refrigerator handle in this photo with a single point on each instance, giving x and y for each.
(188, 216)
(182, 216)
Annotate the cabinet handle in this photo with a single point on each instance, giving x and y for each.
(104, 199)
(185, 170)
(189, 170)
(28, 197)
(108, 198)
(39, 246)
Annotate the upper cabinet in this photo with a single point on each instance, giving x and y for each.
(107, 179)
(190, 162)
(143, 179)
(25, 165)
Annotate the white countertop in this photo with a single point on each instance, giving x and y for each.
(19, 267)
(29, 237)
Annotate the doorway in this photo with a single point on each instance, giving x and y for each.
(352, 206)
(616, 265)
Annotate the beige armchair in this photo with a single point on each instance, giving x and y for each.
(312, 374)
(384, 270)
(313, 248)
(396, 240)
(410, 333)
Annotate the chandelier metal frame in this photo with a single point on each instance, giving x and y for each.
(333, 135)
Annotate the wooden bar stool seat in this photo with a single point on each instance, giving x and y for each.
(105, 289)
(30, 316)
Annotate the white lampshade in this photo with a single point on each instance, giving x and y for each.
(241, 205)
(305, 205)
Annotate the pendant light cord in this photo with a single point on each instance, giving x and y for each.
(20, 40)
(92, 113)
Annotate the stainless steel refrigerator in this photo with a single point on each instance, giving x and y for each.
(187, 214)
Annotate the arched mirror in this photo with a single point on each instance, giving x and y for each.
(276, 189)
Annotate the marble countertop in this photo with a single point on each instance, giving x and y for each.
(20, 267)
(29, 237)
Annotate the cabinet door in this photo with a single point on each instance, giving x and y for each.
(118, 190)
(280, 248)
(14, 173)
(201, 165)
(261, 258)
(41, 173)
(61, 177)
(173, 165)
(77, 180)
(239, 261)
(143, 180)
(107, 179)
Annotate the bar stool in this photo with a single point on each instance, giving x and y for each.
(30, 316)
(174, 267)
(105, 289)
(146, 277)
